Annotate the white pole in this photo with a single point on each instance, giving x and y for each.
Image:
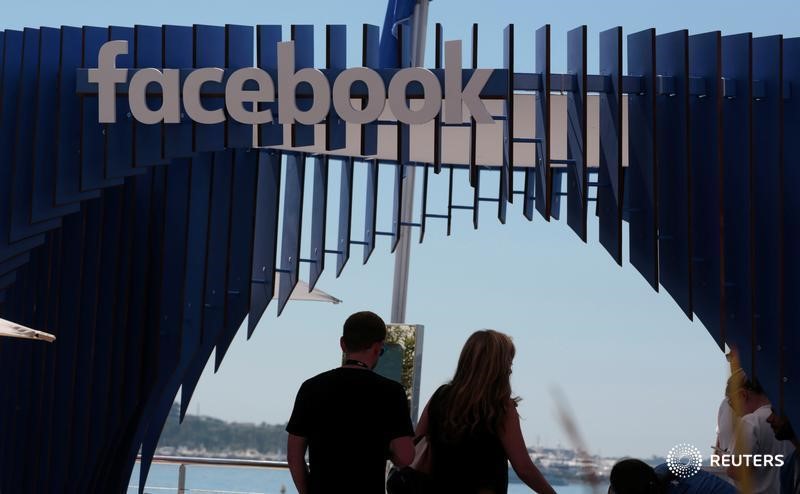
(400, 287)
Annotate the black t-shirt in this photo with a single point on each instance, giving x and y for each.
(349, 416)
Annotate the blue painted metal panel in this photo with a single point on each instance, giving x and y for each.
(44, 153)
(674, 203)
(292, 226)
(215, 299)
(89, 287)
(119, 136)
(19, 139)
(609, 191)
(506, 170)
(13, 263)
(319, 216)
(438, 49)
(345, 212)
(640, 178)
(706, 182)
(265, 243)
(544, 175)
(101, 396)
(303, 37)
(93, 133)
(336, 58)
(767, 206)
(269, 134)
(397, 209)
(240, 250)
(178, 52)
(577, 179)
(371, 208)
(788, 363)
(209, 51)
(737, 159)
(68, 182)
(170, 308)
(370, 57)
(239, 50)
(147, 138)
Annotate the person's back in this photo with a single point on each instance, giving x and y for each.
(700, 483)
(350, 419)
(465, 464)
(349, 416)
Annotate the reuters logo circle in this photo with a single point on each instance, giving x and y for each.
(684, 460)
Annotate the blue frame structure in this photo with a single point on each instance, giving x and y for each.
(143, 248)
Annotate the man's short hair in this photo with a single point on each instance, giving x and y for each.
(633, 476)
(362, 330)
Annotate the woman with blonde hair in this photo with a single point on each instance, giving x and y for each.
(472, 425)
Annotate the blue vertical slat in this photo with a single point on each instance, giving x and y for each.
(45, 150)
(397, 208)
(577, 183)
(674, 202)
(268, 37)
(239, 52)
(370, 57)
(209, 51)
(336, 58)
(609, 191)
(170, 312)
(68, 182)
(86, 329)
(119, 135)
(214, 296)
(319, 215)
(178, 53)
(791, 231)
(240, 248)
(101, 394)
(544, 175)
(737, 159)
(93, 133)
(767, 210)
(345, 215)
(292, 227)
(371, 208)
(506, 174)
(303, 37)
(9, 87)
(147, 138)
(265, 241)
(20, 139)
(706, 189)
(640, 178)
(54, 460)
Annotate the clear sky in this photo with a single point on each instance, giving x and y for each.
(637, 374)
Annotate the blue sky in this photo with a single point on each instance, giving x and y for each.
(638, 375)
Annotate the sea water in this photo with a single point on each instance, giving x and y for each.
(163, 479)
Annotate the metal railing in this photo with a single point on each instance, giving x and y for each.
(184, 461)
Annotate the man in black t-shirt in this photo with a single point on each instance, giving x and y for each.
(350, 419)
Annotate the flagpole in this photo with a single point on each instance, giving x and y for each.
(401, 261)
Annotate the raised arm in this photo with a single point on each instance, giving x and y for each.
(296, 456)
(517, 452)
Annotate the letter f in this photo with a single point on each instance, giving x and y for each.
(107, 76)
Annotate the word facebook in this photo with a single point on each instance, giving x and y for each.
(243, 105)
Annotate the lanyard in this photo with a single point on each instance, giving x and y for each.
(356, 363)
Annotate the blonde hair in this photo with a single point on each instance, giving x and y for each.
(480, 392)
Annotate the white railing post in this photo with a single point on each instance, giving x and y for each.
(182, 479)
